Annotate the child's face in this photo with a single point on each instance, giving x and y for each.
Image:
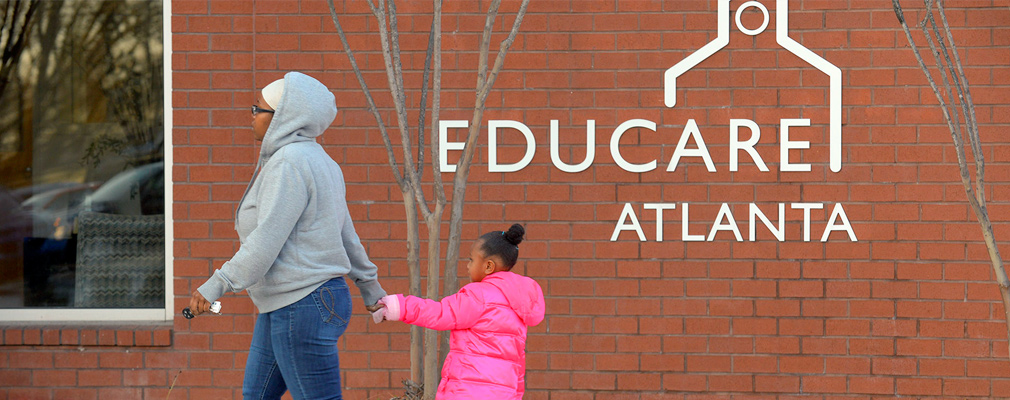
(479, 265)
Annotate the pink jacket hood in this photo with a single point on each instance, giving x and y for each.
(524, 295)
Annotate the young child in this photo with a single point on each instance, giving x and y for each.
(488, 320)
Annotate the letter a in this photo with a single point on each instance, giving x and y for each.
(691, 131)
(838, 212)
(622, 225)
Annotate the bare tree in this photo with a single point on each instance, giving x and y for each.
(15, 27)
(410, 178)
(955, 97)
(17, 22)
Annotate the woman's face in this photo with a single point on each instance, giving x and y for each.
(261, 121)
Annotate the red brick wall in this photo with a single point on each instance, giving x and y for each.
(909, 310)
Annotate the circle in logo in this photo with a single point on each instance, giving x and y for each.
(743, 7)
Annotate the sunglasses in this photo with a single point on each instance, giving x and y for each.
(256, 110)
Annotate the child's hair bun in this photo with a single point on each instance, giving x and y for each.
(504, 244)
(515, 234)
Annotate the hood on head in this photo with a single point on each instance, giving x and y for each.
(523, 294)
(306, 109)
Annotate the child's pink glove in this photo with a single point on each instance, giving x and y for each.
(391, 311)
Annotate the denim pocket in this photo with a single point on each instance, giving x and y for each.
(333, 300)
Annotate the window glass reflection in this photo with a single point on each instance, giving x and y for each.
(81, 154)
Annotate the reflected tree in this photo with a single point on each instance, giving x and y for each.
(89, 85)
(16, 23)
(17, 20)
(122, 41)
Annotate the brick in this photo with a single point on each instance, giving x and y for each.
(100, 377)
(779, 384)
(120, 360)
(124, 338)
(165, 360)
(702, 363)
(730, 383)
(119, 393)
(54, 378)
(919, 386)
(76, 360)
(965, 387)
(590, 381)
(683, 382)
(847, 365)
(25, 393)
(965, 348)
(50, 336)
(11, 378)
(28, 360)
(871, 385)
(906, 366)
(824, 384)
(209, 24)
(75, 394)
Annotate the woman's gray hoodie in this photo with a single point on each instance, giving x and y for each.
(292, 222)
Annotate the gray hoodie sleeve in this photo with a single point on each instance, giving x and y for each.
(363, 272)
(280, 203)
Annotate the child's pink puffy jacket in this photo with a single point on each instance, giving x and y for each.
(488, 319)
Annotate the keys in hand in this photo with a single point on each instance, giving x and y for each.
(215, 308)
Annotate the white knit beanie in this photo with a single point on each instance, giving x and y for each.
(272, 93)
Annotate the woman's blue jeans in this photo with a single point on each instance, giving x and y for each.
(295, 347)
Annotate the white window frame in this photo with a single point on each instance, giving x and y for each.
(129, 314)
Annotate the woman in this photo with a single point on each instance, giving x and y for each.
(297, 244)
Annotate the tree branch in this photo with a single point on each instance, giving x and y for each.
(945, 66)
(394, 73)
(484, 90)
(971, 122)
(958, 142)
(400, 94)
(463, 164)
(387, 58)
(368, 97)
(436, 105)
(485, 44)
(950, 110)
(424, 99)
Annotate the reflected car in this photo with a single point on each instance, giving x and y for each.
(137, 191)
(22, 194)
(53, 211)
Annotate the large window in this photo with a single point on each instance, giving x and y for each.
(82, 159)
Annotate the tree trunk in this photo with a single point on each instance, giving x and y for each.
(997, 264)
(432, 372)
(414, 278)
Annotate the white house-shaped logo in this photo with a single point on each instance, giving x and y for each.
(783, 39)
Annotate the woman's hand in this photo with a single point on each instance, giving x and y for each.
(377, 311)
(390, 309)
(197, 304)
